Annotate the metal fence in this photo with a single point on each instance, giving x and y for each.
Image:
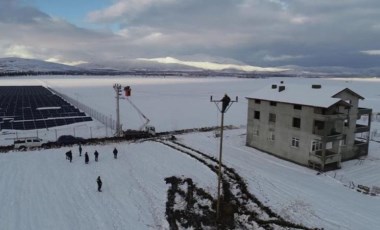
(104, 119)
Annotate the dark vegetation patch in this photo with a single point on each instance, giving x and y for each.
(239, 209)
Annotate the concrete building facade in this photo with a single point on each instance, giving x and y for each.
(311, 125)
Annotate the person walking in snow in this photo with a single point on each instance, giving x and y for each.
(115, 153)
(86, 159)
(99, 181)
(96, 155)
(69, 156)
(80, 150)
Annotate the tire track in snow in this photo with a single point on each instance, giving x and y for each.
(266, 217)
(153, 209)
(280, 188)
(108, 201)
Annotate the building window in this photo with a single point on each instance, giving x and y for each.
(272, 117)
(343, 142)
(346, 123)
(257, 115)
(255, 132)
(320, 111)
(273, 103)
(257, 101)
(297, 107)
(295, 142)
(271, 136)
(296, 122)
(319, 125)
(316, 145)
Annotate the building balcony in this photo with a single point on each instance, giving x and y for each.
(330, 135)
(335, 116)
(330, 157)
(362, 111)
(361, 128)
(360, 148)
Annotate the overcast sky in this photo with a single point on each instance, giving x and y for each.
(256, 32)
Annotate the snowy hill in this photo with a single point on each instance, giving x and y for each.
(328, 71)
(136, 65)
(10, 65)
(216, 66)
(197, 62)
(193, 64)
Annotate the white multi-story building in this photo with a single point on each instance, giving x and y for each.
(311, 125)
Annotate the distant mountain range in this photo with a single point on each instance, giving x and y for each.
(185, 66)
(20, 65)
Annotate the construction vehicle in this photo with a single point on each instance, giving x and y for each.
(146, 129)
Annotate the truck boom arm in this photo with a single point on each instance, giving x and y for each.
(140, 113)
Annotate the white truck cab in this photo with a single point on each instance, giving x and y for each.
(28, 142)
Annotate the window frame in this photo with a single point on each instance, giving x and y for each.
(273, 103)
(272, 118)
(316, 145)
(295, 142)
(346, 123)
(256, 114)
(272, 136)
(295, 121)
(255, 132)
(297, 107)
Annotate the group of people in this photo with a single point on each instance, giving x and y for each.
(69, 156)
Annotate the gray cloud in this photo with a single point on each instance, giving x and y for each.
(11, 12)
(253, 30)
(258, 32)
(31, 33)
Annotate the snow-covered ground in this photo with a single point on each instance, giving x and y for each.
(41, 190)
(297, 192)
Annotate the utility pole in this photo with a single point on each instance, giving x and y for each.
(226, 104)
(117, 88)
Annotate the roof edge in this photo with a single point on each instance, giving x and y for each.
(351, 92)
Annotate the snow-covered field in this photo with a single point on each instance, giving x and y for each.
(41, 190)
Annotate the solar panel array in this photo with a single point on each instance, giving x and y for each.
(35, 107)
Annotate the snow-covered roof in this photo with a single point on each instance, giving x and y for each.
(301, 95)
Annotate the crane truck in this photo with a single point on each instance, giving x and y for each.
(151, 130)
(144, 130)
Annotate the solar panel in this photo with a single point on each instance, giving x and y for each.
(50, 123)
(6, 125)
(18, 125)
(29, 125)
(60, 122)
(30, 106)
(78, 119)
(87, 119)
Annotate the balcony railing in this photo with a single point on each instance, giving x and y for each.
(330, 157)
(361, 128)
(335, 116)
(330, 136)
(362, 111)
(360, 148)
